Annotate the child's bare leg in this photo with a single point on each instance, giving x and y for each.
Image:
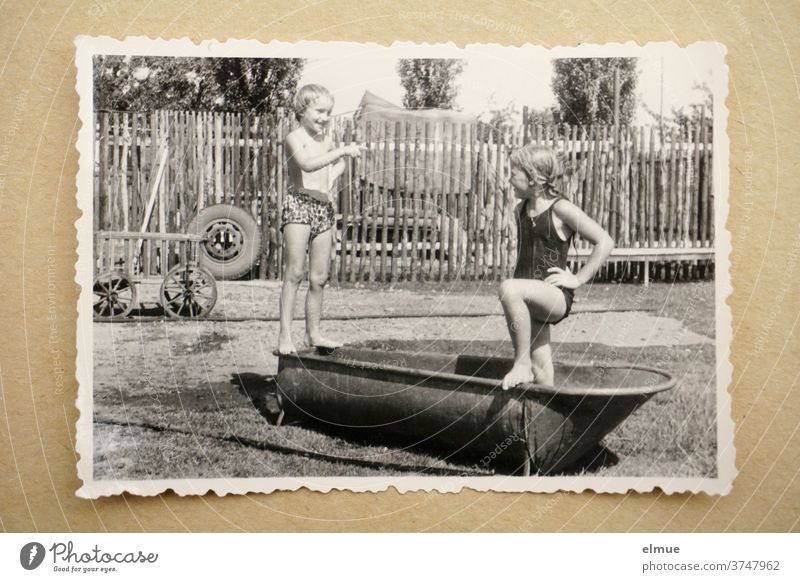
(526, 303)
(542, 354)
(518, 319)
(319, 253)
(295, 242)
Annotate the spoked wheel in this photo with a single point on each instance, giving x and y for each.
(114, 294)
(188, 291)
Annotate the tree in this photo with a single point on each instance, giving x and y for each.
(685, 119)
(257, 84)
(137, 83)
(429, 83)
(584, 90)
(498, 121)
(546, 116)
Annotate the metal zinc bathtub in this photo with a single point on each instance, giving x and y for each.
(453, 404)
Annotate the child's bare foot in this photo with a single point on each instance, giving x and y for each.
(322, 344)
(519, 374)
(286, 346)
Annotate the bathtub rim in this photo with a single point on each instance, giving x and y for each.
(522, 391)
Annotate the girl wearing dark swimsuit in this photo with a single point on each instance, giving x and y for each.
(540, 293)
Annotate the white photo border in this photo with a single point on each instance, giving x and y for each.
(721, 484)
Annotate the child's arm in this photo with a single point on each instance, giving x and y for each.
(297, 152)
(588, 229)
(337, 169)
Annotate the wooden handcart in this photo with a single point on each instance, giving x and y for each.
(123, 259)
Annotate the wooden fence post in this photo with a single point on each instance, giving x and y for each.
(406, 197)
(375, 205)
(708, 213)
(415, 232)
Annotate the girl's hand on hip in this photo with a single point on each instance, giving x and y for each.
(562, 278)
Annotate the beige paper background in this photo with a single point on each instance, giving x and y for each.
(38, 163)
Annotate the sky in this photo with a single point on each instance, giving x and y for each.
(496, 78)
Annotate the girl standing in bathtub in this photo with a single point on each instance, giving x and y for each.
(541, 291)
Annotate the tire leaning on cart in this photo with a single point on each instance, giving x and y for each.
(232, 240)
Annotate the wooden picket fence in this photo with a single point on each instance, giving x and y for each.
(424, 201)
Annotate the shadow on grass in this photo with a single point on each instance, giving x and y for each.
(148, 309)
(599, 457)
(261, 391)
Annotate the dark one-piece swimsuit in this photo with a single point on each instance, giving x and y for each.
(541, 248)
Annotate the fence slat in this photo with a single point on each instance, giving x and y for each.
(453, 264)
(397, 169)
(687, 188)
(708, 212)
(452, 239)
(123, 178)
(505, 207)
(135, 189)
(351, 174)
(385, 201)
(651, 187)
(113, 191)
(375, 205)
(415, 201)
(488, 211)
(602, 209)
(364, 169)
(671, 189)
(404, 201)
(481, 214)
(497, 188)
(104, 198)
(247, 169)
(444, 231)
(469, 224)
(623, 196)
(680, 194)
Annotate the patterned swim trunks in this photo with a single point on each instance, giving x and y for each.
(301, 208)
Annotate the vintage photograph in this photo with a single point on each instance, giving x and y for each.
(336, 265)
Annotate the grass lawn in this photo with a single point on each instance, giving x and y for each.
(189, 400)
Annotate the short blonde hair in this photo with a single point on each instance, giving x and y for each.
(307, 95)
(541, 163)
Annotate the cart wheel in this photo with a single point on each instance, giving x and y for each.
(232, 240)
(114, 294)
(188, 291)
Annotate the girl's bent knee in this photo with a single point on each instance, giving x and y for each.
(507, 290)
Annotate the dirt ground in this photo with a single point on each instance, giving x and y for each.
(181, 399)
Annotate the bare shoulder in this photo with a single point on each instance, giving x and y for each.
(570, 217)
(297, 138)
(565, 209)
(295, 142)
(567, 217)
